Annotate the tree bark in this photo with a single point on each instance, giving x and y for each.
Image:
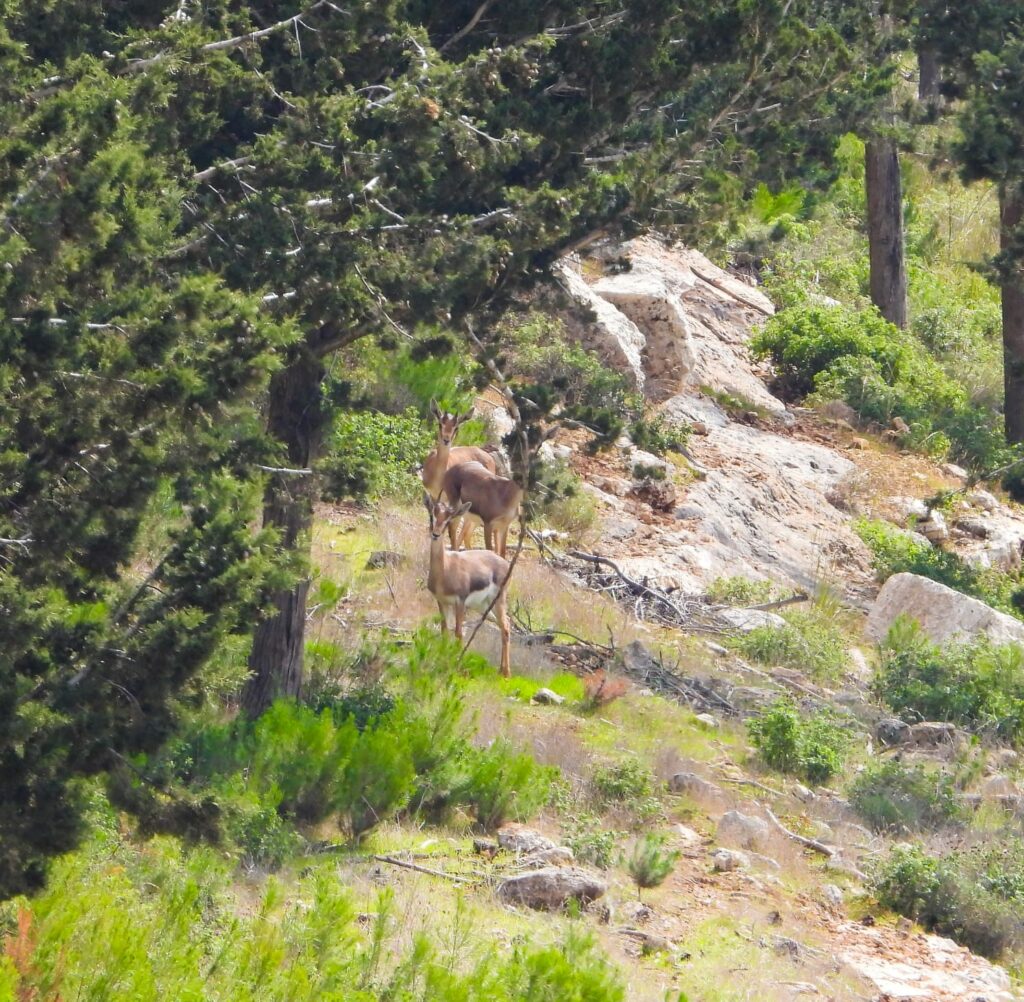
(296, 417)
(929, 78)
(885, 229)
(1011, 209)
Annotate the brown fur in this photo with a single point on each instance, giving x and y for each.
(492, 499)
(455, 577)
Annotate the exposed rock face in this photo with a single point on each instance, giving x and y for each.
(552, 888)
(942, 612)
(746, 620)
(892, 731)
(612, 335)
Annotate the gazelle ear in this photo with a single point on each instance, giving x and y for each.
(434, 409)
(463, 508)
(463, 418)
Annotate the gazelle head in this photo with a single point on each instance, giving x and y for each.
(447, 424)
(440, 514)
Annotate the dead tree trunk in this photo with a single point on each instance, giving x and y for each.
(1011, 209)
(296, 417)
(885, 229)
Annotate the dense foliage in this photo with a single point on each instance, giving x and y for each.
(979, 685)
(812, 747)
(891, 796)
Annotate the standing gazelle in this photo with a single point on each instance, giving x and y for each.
(445, 455)
(467, 579)
(493, 500)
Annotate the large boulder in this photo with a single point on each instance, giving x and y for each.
(944, 614)
(552, 888)
(743, 831)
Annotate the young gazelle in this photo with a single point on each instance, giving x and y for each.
(493, 500)
(445, 455)
(467, 579)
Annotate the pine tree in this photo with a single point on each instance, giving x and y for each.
(981, 49)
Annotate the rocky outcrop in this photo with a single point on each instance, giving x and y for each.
(552, 888)
(743, 831)
(944, 614)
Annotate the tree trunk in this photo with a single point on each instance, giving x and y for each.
(296, 417)
(885, 229)
(929, 78)
(1011, 209)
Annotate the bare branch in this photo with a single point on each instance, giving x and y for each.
(468, 27)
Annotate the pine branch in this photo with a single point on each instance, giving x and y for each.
(468, 27)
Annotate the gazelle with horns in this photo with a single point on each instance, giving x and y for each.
(468, 579)
(445, 455)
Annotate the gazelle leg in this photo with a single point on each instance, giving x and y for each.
(466, 535)
(488, 536)
(502, 612)
(460, 617)
(444, 618)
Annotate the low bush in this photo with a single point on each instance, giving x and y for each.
(621, 782)
(370, 454)
(810, 642)
(810, 747)
(835, 352)
(974, 896)
(590, 841)
(503, 784)
(891, 796)
(894, 551)
(658, 436)
(739, 590)
(979, 685)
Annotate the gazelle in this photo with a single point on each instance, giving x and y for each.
(467, 579)
(445, 455)
(492, 499)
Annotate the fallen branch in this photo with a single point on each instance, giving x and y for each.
(779, 604)
(809, 843)
(455, 878)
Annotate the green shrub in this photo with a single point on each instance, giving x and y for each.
(373, 454)
(891, 796)
(979, 685)
(650, 863)
(809, 642)
(502, 783)
(810, 747)
(739, 591)
(894, 551)
(656, 435)
(975, 896)
(590, 841)
(621, 782)
(265, 839)
(834, 352)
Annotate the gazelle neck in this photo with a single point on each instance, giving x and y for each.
(435, 574)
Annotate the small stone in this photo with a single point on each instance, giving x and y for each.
(484, 846)
(892, 731)
(560, 855)
(660, 495)
(380, 559)
(934, 527)
(976, 527)
(687, 835)
(518, 838)
(716, 648)
(952, 470)
(933, 732)
(617, 486)
(1005, 758)
(833, 895)
(983, 500)
(693, 785)
(688, 511)
(727, 860)
(699, 428)
(746, 620)
(708, 721)
(548, 698)
(802, 793)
